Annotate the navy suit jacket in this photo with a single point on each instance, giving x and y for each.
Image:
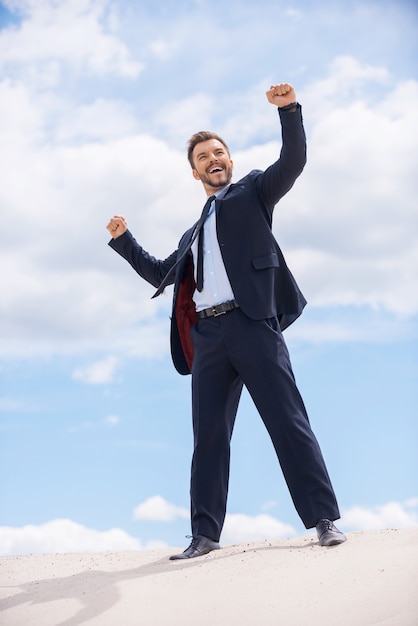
(260, 279)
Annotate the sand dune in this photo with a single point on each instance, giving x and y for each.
(371, 580)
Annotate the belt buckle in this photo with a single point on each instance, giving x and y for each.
(217, 313)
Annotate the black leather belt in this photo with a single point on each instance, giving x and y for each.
(218, 309)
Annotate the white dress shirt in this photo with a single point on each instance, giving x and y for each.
(216, 285)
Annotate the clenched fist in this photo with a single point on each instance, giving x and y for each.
(117, 226)
(281, 95)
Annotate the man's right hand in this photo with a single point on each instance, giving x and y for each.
(117, 226)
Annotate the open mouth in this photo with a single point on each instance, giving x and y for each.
(216, 169)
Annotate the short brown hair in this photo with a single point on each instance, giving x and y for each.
(203, 135)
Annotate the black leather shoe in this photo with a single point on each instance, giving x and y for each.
(199, 546)
(328, 534)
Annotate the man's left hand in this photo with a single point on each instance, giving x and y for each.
(281, 95)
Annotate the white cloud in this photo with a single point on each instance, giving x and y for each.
(96, 121)
(352, 324)
(112, 420)
(180, 119)
(71, 32)
(295, 14)
(63, 535)
(411, 503)
(163, 49)
(12, 405)
(54, 246)
(80, 427)
(389, 515)
(346, 79)
(239, 528)
(269, 505)
(347, 227)
(98, 373)
(350, 223)
(157, 509)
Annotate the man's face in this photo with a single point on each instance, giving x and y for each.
(212, 165)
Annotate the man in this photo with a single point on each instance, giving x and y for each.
(233, 296)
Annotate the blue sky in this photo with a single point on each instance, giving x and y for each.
(97, 101)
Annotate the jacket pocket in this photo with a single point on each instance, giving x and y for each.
(263, 262)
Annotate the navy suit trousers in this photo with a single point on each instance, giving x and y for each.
(232, 350)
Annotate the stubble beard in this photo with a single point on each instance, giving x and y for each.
(225, 180)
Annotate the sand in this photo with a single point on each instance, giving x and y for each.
(371, 580)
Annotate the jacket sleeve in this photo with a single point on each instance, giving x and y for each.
(148, 267)
(277, 179)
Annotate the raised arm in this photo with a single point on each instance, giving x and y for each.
(276, 181)
(148, 267)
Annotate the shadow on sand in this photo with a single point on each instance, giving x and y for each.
(98, 591)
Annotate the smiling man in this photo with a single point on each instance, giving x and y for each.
(210, 160)
(233, 297)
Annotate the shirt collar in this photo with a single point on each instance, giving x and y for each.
(220, 194)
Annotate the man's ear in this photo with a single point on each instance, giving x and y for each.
(195, 174)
